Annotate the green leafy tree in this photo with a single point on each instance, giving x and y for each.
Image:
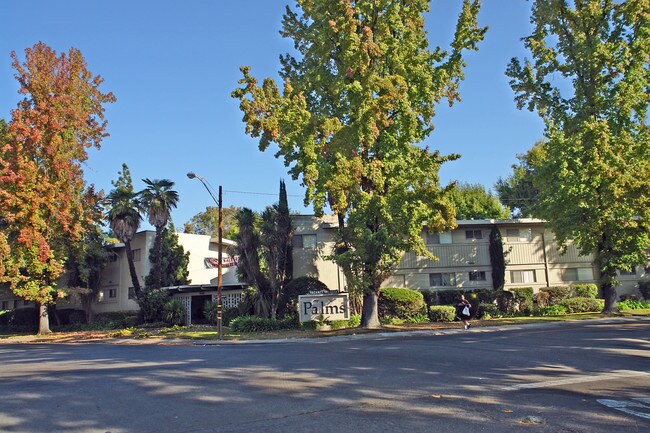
(158, 199)
(473, 201)
(518, 191)
(44, 201)
(124, 218)
(265, 253)
(358, 99)
(174, 262)
(207, 222)
(589, 81)
(276, 233)
(86, 261)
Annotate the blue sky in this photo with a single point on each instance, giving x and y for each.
(173, 64)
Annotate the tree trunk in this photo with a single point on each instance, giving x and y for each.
(609, 293)
(43, 321)
(157, 266)
(370, 311)
(134, 275)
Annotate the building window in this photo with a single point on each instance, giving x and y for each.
(131, 292)
(519, 235)
(15, 304)
(4, 305)
(433, 238)
(624, 273)
(578, 274)
(473, 234)
(112, 257)
(442, 279)
(26, 302)
(112, 293)
(136, 255)
(307, 242)
(522, 276)
(477, 276)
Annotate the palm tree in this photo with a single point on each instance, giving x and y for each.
(158, 199)
(125, 219)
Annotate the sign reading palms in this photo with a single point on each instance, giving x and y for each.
(157, 200)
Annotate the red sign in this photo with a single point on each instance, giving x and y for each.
(226, 262)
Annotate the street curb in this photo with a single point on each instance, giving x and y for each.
(387, 334)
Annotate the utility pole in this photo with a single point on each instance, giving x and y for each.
(219, 202)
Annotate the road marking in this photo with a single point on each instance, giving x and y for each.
(624, 406)
(579, 379)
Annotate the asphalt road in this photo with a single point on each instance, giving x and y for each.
(590, 376)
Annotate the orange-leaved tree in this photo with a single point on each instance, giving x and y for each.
(43, 197)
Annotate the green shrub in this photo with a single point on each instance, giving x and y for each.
(262, 324)
(632, 304)
(430, 297)
(393, 320)
(70, 316)
(488, 310)
(442, 313)
(483, 296)
(542, 298)
(174, 312)
(556, 294)
(505, 301)
(589, 290)
(523, 299)
(353, 322)
(296, 287)
(400, 303)
(228, 314)
(581, 305)
(116, 319)
(20, 320)
(552, 310)
(448, 297)
(152, 305)
(254, 324)
(644, 288)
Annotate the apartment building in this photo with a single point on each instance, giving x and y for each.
(533, 258)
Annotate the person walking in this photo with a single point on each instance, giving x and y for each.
(463, 311)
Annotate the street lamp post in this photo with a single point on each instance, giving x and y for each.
(192, 175)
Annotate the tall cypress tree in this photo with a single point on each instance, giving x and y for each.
(497, 259)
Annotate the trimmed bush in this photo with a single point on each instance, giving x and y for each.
(116, 319)
(644, 288)
(254, 324)
(442, 313)
(296, 287)
(430, 297)
(261, 324)
(174, 313)
(354, 322)
(523, 299)
(400, 303)
(542, 298)
(487, 310)
(152, 305)
(557, 294)
(632, 304)
(585, 290)
(552, 310)
(448, 297)
(505, 301)
(21, 320)
(581, 305)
